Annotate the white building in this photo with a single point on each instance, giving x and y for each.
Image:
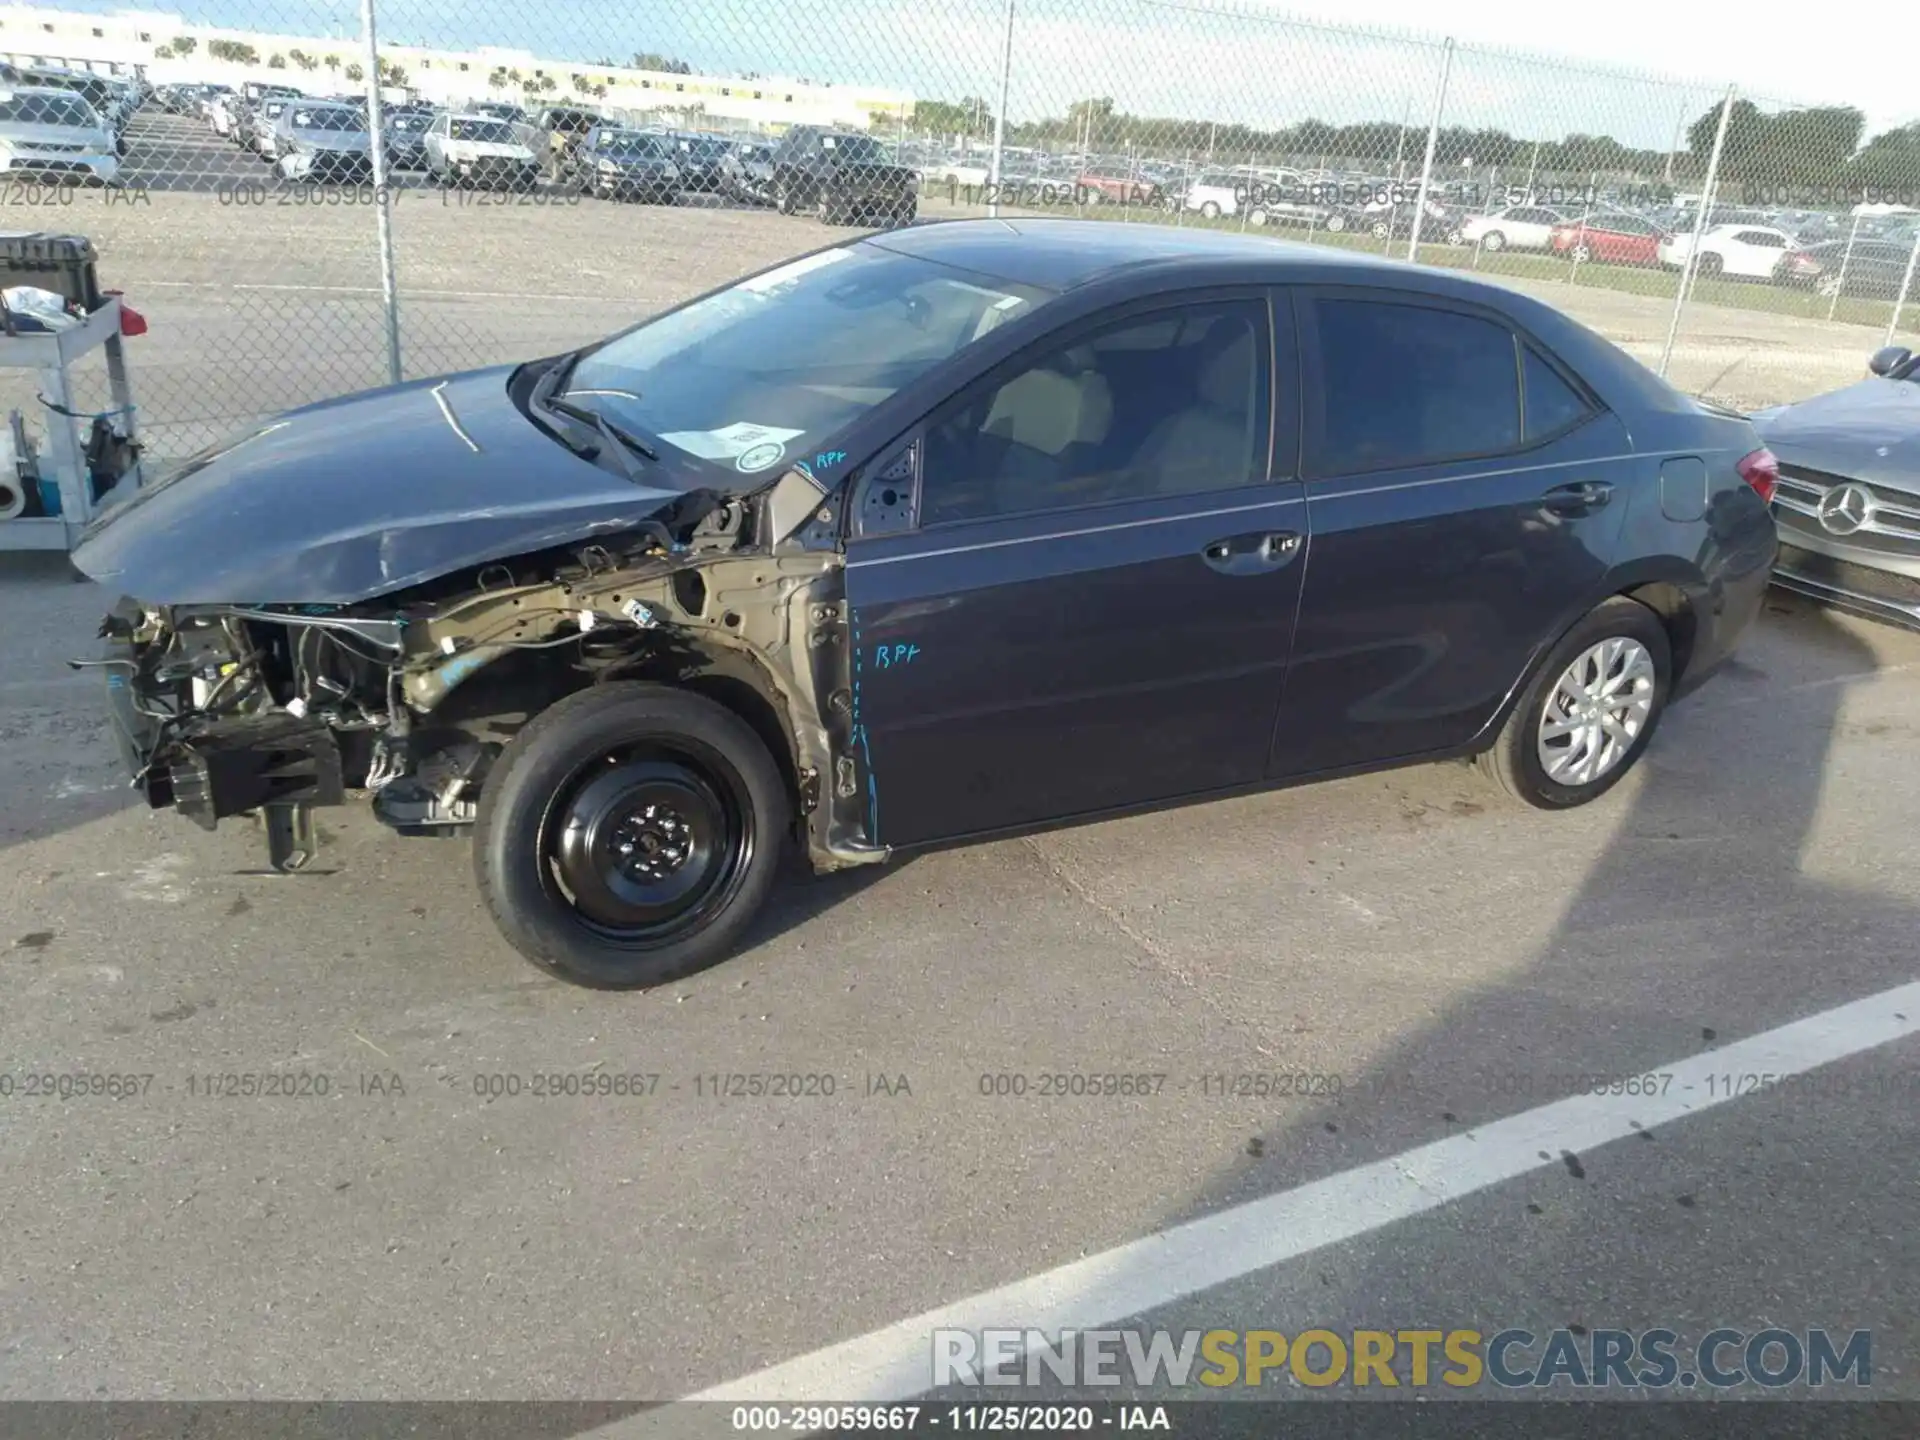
(323, 64)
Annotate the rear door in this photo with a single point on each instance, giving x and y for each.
(1464, 493)
(1076, 583)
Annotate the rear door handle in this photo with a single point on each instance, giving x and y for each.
(1252, 554)
(1578, 498)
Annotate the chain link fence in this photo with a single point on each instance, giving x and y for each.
(303, 207)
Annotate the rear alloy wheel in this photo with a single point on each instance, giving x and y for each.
(1210, 210)
(1493, 240)
(1581, 254)
(783, 197)
(1257, 218)
(1708, 267)
(628, 835)
(1380, 230)
(1589, 712)
(1336, 223)
(1827, 286)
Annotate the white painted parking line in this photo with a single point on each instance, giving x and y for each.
(895, 1363)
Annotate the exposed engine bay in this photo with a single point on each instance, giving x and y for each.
(230, 709)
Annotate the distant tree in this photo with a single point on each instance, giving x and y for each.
(392, 74)
(662, 64)
(355, 74)
(163, 52)
(184, 44)
(498, 79)
(333, 62)
(1889, 165)
(599, 92)
(234, 50)
(276, 62)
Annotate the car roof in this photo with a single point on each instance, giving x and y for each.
(1062, 254)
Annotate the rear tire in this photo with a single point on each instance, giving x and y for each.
(628, 835)
(1549, 754)
(1493, 240)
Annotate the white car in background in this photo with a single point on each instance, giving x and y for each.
(967, 174)
(1752, 251)
(479, 150)
(220, 115)
(1519, 227)
(1215, 193)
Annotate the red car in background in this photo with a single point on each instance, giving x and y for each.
(1618, 239)
(1102, 186)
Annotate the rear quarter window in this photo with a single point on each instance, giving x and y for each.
(1404, 385)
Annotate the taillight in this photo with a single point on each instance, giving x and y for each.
(1761, 470)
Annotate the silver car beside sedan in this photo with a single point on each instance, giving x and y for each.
(54, 135)
(317, 143)
(1848, 501)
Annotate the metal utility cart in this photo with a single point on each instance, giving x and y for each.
(72, 487)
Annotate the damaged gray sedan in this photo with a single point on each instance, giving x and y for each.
(954, 531)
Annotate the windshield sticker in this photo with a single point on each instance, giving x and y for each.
(731, 442)
(786, 274)
(760, 457)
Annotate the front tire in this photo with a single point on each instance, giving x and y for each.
(628, 835)
(1493, 241)
(1589, 712)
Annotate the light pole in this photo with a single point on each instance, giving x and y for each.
(1000, 119)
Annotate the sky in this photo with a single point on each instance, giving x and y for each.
(1589, 69)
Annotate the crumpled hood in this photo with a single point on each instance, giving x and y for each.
(353, 498)
(1869, 431)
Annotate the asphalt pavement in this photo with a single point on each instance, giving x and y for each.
(400, 1214)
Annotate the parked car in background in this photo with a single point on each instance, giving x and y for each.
(1289, 205)
(1872, 268)
(406, 134)
(609, 619)
(749, 172)
(1117, 187)
(99, 95)
(1519, 227)
(1394, 219)
(1848, 501)
(223, 115)
(843, 176)
(322, 144)
(702, 160)
(479, 151)
(263, 121)
(1212, 194)
(1614, 237)
(622, 164)
(564, 127)
(970, 173)
(1753, 252)
(49, 133)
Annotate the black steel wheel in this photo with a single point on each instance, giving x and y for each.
(627, 836)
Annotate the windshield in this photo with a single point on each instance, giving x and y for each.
(47, 110)
(760, 372)
(632, 147)
(490, 132)
(341, 119)
(412, 122)
(853, 147)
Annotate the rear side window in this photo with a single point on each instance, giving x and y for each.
(1552, 405)
(1406, 385)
